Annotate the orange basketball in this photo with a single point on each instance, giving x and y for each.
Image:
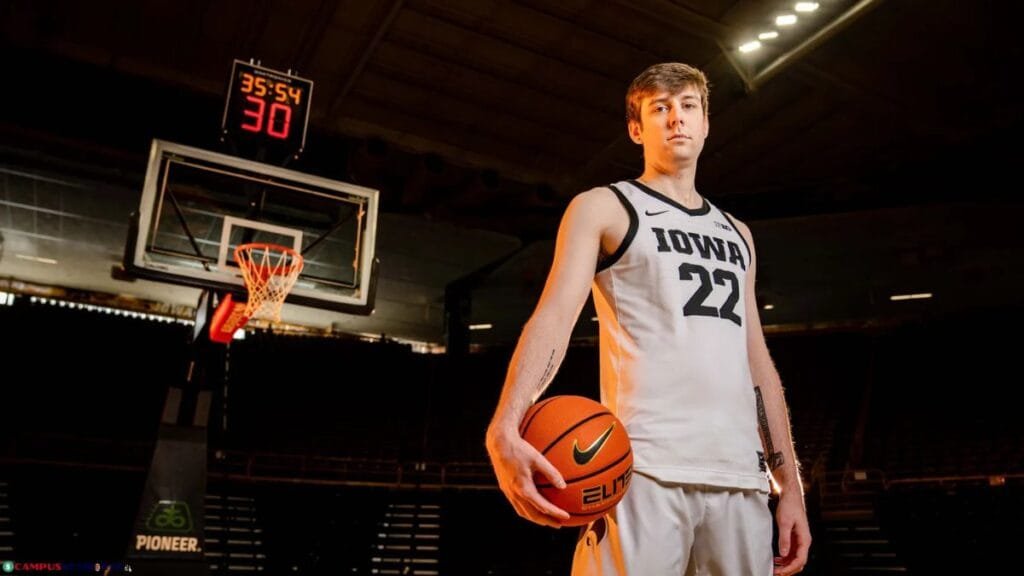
(589, 446)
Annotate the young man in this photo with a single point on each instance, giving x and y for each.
(684, 364)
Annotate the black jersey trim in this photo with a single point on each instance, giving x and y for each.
(704, 206)
(634, 224)
(750, 253)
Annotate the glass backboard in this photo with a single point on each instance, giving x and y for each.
(197, 206)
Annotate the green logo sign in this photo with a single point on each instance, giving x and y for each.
(8, 566)
(170, 516)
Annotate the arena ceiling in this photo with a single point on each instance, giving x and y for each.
(870, 147)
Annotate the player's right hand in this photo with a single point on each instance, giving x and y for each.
(515, 462)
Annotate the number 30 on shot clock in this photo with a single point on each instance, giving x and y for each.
(266, 108)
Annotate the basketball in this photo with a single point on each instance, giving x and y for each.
(589, 446)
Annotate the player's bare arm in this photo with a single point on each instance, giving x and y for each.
(773, 422)
(541, 349)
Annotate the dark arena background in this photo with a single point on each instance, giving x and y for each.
(870, 146)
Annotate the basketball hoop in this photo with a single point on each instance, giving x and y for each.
(269, 272)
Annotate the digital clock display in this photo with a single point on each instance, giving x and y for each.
(266, 109)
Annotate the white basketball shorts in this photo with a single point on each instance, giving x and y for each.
(667, 529)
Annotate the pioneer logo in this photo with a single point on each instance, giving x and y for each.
(151, 543)
(170, 516)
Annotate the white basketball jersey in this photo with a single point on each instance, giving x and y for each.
(674, 367)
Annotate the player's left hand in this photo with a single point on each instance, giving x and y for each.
(794, 534)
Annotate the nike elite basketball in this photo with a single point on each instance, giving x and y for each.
(589, 446)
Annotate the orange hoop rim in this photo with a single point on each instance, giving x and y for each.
(244, 249)
(269, 272)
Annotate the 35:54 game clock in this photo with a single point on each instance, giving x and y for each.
(266, 109)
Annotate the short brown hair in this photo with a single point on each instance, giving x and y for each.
(669, 76)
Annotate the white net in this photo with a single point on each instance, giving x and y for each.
(269, 272)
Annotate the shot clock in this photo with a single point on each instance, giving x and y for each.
(266, 111)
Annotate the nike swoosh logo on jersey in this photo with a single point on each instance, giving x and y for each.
(583, 457)
(649, 213)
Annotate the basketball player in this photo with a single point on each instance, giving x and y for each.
(684, 364)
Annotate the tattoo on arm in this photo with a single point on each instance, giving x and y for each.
(549, 369)
(775, 459)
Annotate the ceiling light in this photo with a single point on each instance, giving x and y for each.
(36, 259)
(481, 326)
(918, 296)
(750, 46)
(768, 35)
(785, 20)
(769, 306)
(806, 6)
